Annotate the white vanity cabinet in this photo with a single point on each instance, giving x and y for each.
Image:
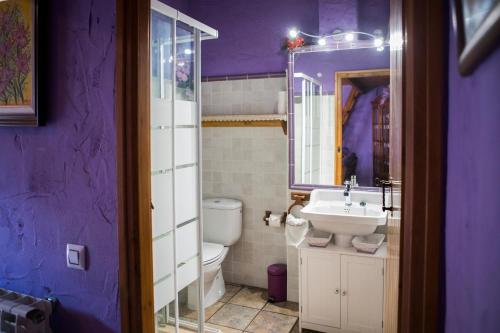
(341, 290)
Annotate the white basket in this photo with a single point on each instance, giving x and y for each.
(368, 244)
(318, 238)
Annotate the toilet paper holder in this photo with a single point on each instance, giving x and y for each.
(268, 214)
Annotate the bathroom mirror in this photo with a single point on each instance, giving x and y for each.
(338, 116)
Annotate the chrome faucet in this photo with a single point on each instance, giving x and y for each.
(347, 193)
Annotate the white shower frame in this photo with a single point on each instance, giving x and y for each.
(201, 32)
(307, 82)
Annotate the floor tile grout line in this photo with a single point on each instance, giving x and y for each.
(259, 311)
(213, 314)
(227, 327)
(246, 306)
(251, 321)
(236, 293)
(243, 306)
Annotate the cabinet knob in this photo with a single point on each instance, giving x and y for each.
(337, 291)
(344, 293)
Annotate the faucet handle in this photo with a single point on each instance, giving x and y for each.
(347, 186)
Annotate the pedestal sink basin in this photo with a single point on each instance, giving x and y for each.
(327, 211)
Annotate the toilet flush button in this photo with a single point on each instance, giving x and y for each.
(75, 256)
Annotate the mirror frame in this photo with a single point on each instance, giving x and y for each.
(338, 46)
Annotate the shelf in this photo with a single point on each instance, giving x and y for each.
(245, 120)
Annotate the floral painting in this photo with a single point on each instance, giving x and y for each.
(17, 54)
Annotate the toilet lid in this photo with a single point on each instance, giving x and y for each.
(211, 252)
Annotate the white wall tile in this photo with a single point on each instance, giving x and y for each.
(242, 163)
(252, 96)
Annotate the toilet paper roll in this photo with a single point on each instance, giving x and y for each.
(275, 220)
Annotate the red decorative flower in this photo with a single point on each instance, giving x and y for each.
(295, 43)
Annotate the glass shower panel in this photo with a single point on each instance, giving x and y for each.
(162, 169)
(187, 213)
(175, 171)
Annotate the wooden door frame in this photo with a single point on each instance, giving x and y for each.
(423, 165)
(133, 163)
(339, 110)
(424, 102)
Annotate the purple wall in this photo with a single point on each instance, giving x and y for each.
(374, 14)
(338, 14)
(251, 33)
(328, 63)
(58, 182)
(182, 5)
(472, 276)
(357, 135)
(360, 15)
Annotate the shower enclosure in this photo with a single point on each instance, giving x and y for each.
(176, 167)
(308, 118)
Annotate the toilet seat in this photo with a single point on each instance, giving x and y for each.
(211, 252)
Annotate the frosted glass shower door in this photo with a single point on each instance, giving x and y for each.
(162, 195)
(175, 171)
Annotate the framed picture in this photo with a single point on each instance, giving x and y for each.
(477, 27)
(18, 63)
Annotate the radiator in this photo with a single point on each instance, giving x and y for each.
(24, 314)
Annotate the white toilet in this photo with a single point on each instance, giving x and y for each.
(222, 223)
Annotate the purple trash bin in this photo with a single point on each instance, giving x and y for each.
(276, 282)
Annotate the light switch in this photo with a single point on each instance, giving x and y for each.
(75, 256)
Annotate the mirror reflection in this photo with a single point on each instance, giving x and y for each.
(340, 117)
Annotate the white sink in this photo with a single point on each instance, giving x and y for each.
(327, 211)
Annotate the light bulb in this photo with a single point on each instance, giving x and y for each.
(380, 48)
(378, 42)
(349, 36)
(188, 51)
(293, 33)
(321, 41)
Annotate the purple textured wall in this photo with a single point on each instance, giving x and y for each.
(357, 135)
(373, 15)
(328, 63)
(182, 5)
(58, 182)
(472, 206)
(337, 14)
(251, 33)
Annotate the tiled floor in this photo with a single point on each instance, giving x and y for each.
(246, 309)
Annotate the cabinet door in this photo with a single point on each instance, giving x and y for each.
(362, 293)
(320, 288)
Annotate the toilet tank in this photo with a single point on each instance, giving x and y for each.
(222, 220)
